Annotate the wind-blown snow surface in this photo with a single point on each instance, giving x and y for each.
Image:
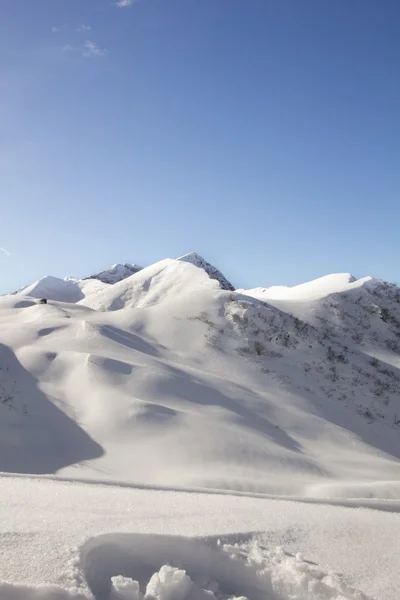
(166, 380)
(330, 284)
(188, 546)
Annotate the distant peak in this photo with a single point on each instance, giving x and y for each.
(192, 256)
(198, 261)
(317, 288)
(116, 273)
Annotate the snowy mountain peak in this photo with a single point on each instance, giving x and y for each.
(198, 261)
(317, 288)
(116, 273)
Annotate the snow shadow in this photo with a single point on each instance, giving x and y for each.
(374, 434)
(140, 556)
(49, 330)
(185, 386)
(45, 592)
(128, 339)
(36, 437)
(116, 366)
(25, 304)
(153, 414)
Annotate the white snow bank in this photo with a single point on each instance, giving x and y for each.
(291, 576)
(239, 571)
(390, 490)
(318, 288)
(62, 290)
(207, 572)
(43, 523)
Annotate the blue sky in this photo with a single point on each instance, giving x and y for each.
(263, 134)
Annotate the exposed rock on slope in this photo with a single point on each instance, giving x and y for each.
(116, 273)
(198, 261)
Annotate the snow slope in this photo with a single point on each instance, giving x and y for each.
(198, 261)
(63, 290)
(209, 388)
(165, 380)
(323, 286)
(164, 282)
(82, 539)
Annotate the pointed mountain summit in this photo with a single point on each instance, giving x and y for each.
(198, 261)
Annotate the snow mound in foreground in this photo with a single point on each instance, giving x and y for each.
(130, 567)
(318, 288)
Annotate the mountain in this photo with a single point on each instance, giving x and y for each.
(165, 378)
(62, 290)
(116, 273)
(167, 280)
(198, 261)
(74, 290)
(263, 424)
(323, 286)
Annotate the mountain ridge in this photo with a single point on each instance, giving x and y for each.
(115, 273)
(210, 387)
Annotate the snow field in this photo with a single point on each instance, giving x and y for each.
(78, 536)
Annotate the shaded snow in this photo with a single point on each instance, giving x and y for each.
(116, 273)
(198, 261)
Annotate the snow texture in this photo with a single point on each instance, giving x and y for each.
(78, 536)
(281, 406)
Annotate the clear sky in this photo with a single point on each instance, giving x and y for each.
(263, 134)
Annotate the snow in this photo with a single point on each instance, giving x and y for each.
(212, 272)
(164, 281)
(323, 286)
(116, 273)
(165, 405)
(74, 290)
(213, 388)
(79, 536)
(62, 290)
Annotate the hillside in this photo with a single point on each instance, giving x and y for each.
(167, 438)
(166, 378)
(63, 290)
